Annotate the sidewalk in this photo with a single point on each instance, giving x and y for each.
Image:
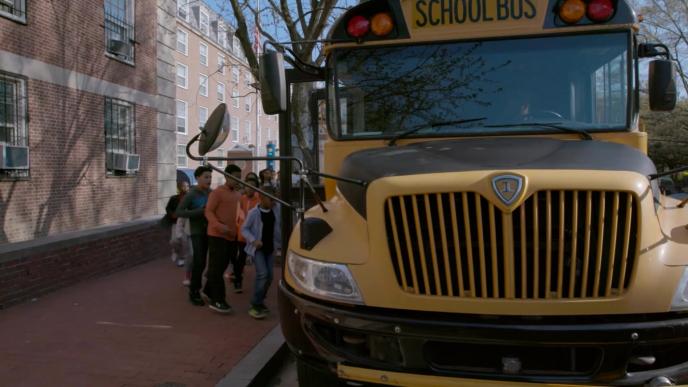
(132, 328)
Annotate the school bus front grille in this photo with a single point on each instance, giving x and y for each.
(556, 245)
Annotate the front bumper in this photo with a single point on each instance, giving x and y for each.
(607, 350)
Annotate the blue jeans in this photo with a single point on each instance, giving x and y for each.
(264, 265)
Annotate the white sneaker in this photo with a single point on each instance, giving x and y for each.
(186, 282)
(180, 262)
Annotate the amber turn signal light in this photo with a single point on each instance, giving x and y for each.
(381, 24)
(571, 11)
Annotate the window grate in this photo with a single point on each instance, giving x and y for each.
(119, 32)
(120, 134)
(13, 118)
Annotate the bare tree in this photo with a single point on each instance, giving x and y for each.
(301, 23)
(667, 21)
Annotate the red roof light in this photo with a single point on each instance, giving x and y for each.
(358, 26)
(600, 10)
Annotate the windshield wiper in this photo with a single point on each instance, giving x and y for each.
(414, 129)
(553, 125)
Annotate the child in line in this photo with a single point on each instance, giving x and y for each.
(249, 199)
(262, 231)
(221, 212)
(193, 207)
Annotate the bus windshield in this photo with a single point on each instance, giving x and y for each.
(481, 87)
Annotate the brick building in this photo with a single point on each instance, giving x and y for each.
(211, 69)
(86, 137)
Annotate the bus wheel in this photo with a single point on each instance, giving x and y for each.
(312, 376)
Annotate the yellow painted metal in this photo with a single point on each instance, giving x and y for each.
(611, 257)
(433, 248)
(586, 243)
(524, 258)
(536, 252)
(445, 250)
(397, 245)
(574, 246)
(421, 246)
(660, 245)
(414, 380)
(627, 239)
(409, 247)
(481, 245)
(469, 244)
(493, 251)
(548, 243)
(508, 251)
(600, 246)
(560, 265)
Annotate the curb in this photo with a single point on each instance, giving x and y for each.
(259, 365)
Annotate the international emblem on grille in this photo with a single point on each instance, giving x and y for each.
(507, 187)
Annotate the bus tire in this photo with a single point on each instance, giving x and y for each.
(312, 376)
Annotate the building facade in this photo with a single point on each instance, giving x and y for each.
(86, 140)
(211, 69)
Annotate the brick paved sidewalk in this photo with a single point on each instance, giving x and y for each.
(132, 328)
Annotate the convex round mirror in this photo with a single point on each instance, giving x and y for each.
(215, 130)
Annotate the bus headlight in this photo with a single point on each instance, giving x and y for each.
(330, 281)
(680, 301)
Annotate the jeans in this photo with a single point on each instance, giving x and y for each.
(264, 265)
(239, 262)
(200, 252)
(220, 251)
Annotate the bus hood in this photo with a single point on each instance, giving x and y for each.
(494, 154)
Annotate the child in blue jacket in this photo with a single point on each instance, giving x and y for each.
(262, 231)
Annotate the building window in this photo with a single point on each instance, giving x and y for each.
(181, 155)
(182, 41)
(202, 115)
(120, 137)
(235, 75)
(119, 29)
(248, 132)
(221, 64)
(222, 36)
(235, 99)
(182, 117)
(183, 9)
(13, 9)
(182, 78)
(221, 153)
(236, 47)
(13, 121)
(221, 92)
(203, 85)
(203, 22)
(234, 126)
(204, 54)
(247, 103)
(249, 79)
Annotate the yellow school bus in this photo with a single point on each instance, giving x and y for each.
(494, 219)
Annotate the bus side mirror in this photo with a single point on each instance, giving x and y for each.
(662, 85)
(273, 85)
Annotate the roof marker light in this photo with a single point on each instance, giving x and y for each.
(571, 11)
(600, 10)
(358, 26)
(381, 24)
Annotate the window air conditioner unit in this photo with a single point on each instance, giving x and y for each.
(126, 162)
(14, 157)
(118, 47)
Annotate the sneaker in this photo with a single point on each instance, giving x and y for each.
(220, 307)
(237, 287)
(186, 282)
(257, 313)
(180, 262)
(264, 308)
(196, 299)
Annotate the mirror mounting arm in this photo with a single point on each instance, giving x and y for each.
(649, 50)
(670, 172)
